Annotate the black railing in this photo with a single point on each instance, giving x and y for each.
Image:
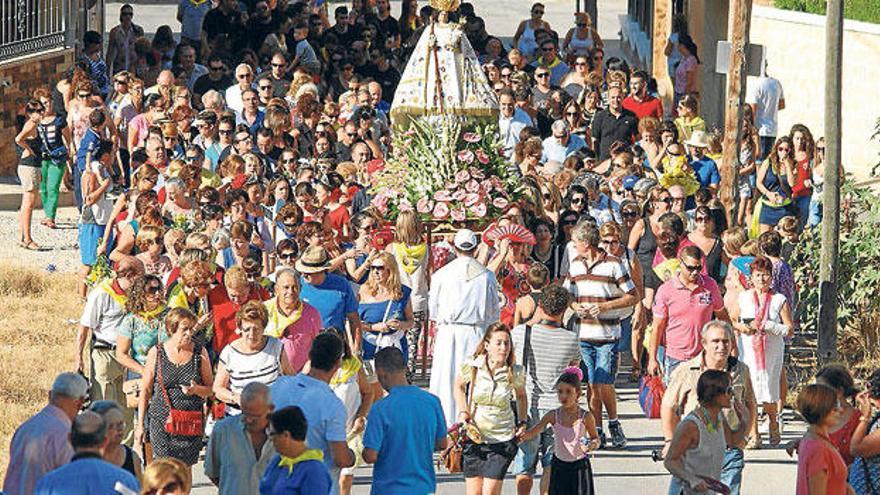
(33, 26)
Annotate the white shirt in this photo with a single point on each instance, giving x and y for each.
(765, 92)
(103, 315)
(464, 292)
(510, 127)
(233, 98)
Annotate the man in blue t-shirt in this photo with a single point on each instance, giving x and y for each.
(324, 411)
(403, 431)
(329, 293)
(704, 167)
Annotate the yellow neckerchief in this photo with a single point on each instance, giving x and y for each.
(349, 367)
(278, 321)
(308, 455)
(177, 298)
(114, 291)
(556, 61)
(410, 256)
(149, 315)
(197, 2)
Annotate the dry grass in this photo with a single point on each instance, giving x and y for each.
(36, 342)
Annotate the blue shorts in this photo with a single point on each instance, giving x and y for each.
(601, 362)
(626, 332)
(526, 460)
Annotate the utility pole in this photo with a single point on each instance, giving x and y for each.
(827, 328)
(739, 20)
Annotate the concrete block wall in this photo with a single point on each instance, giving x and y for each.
(25, 75)
(795, 44)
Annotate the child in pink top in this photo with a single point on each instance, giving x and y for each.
(571, 473)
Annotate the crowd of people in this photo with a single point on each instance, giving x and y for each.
(244, 299)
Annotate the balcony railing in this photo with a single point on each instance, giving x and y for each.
(33, 26)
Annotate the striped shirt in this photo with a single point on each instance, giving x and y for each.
(605, 280)
(551, 349)
(263, 366)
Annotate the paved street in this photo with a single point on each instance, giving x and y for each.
(629, 471)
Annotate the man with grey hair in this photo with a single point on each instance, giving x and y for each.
(680, 397)
(239, 448)
(102, 315)
(602, 294)
(212, 100)
(46, 433)
(87, 469)
(562, 143)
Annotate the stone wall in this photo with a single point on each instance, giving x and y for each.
(24, 75)
(795, 44)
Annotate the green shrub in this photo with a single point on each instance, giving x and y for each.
(857, 10)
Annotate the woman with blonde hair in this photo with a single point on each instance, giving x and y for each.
(552, 200)
(411, 254)
(495, 381)
(385, 308)
(167, 476)
(177, 380)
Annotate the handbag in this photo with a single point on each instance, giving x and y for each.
(180, 422)
(651, 391)
(452, 456)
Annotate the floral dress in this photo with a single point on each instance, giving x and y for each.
(144, 332)
(513, 285)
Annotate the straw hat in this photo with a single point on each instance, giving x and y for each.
(699, 139)
(313, 260)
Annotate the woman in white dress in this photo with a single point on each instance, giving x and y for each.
(764, 320)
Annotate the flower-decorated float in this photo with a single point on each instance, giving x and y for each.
(447, 163)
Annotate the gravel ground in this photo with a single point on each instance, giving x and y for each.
(59, 245)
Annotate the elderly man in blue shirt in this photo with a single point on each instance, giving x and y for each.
(704, 167)
(87, 473)
(231, 462)
(324, 411)
(561, 144)
(511, 121)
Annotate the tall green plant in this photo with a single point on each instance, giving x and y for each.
(858, 273)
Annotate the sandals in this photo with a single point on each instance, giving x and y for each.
(30, 246)
(775, 435)
(754, 442)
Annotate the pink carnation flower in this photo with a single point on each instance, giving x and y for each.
(471, 199)
(441, 211)
(458, 214)
(500, 202)
(476, 173)
(424, 205)
(404, 205)
(462, 176)
(466, 156)
(479, 210)
(459, 194)
(471, 137)
(442, 195)
(482, 157)
(472, 186)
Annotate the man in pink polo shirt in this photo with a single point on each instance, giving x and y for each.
(682, 305)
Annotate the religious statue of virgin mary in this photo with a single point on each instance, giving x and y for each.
(447, 163)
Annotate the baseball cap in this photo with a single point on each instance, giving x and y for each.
(629, 182)
(465, 239)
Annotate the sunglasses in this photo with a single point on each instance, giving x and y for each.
(265, 88)
(577, 201)
(192, 158)
(571, 114)
(377, 268)
(581, 25)
(569, 222)
(242, 76)
(547, 196)
(548, 48)
(83, 95)
(677, 200)
(505, 74)
(225, 132)
(783, 148)
(701, 219)
(692, 268)
(538, 12)
(287, 256)
(277, 65)
(217, 69)
(154, 289)
(543, 74)
(667, 200)
(597, 57)
(120, 81)
(630, 214)
(580, 64)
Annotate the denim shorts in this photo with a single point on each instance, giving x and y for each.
(626, 330)
(540, 447)
(601, 361)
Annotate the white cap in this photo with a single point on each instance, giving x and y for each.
(465, 239)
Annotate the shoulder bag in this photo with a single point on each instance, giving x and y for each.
(452, 456)
(180, 422)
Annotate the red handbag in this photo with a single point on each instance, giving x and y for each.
(180, 422)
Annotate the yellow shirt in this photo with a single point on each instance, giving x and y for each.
(493, 393)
